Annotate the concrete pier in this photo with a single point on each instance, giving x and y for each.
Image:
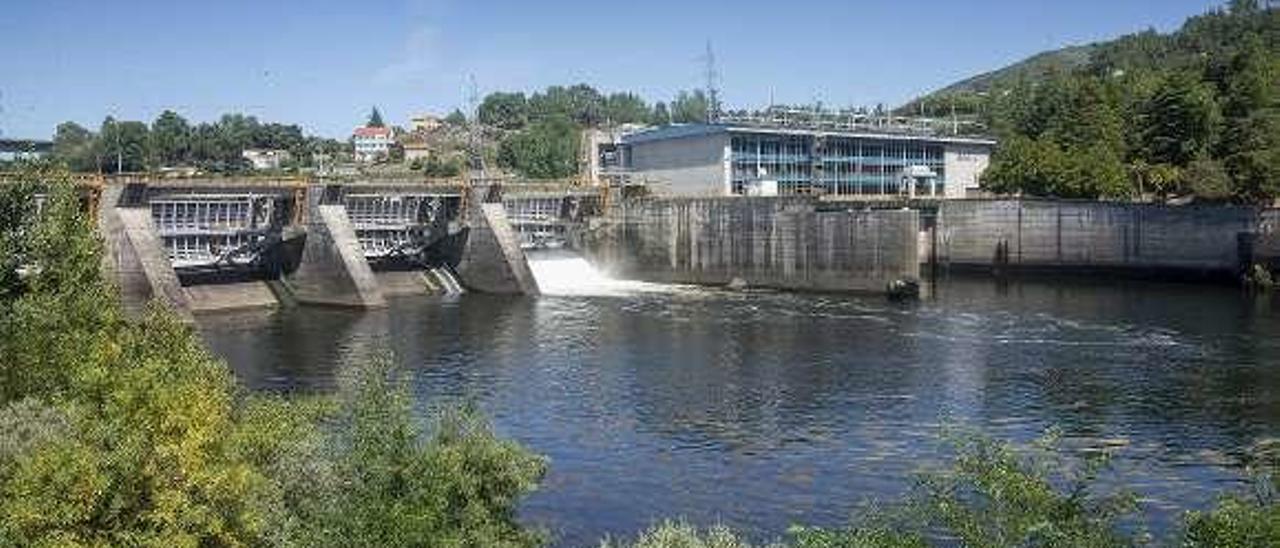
(134, 254)
(333, 270)
(492, 261)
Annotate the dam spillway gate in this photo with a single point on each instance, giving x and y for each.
(400, 227)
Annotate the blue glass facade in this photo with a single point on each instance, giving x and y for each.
(832, 165)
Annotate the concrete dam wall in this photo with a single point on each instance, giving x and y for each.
(1064, 235)
(213, 245)
(787, 243)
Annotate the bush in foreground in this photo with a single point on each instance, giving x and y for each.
(118, 431)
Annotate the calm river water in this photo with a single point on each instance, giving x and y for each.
(763, 409)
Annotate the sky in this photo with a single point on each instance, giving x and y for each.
(324, 64)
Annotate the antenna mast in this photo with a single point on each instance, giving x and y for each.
(475, 135)
(713, 92)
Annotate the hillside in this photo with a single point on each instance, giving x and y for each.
(1210, 36)
(1190, 113)
(1036, 67)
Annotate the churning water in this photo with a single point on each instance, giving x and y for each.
(566, 273)
(760, 409)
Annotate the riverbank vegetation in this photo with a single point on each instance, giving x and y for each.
(127, 431)
(124, 431)
(1192, 113)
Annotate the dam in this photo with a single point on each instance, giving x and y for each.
(685, 355)
(202, 245)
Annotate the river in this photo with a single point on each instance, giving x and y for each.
(761, 409)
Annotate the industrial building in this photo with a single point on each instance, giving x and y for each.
(725, 159)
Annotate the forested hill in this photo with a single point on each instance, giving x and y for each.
(1192, 112)
(1036, 67)
(1211, 35)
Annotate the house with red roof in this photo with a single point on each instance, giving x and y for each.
(372, 143)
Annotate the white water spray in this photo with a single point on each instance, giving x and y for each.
(561, 272)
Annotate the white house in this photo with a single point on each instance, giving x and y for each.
(372, 143)
(266, 159)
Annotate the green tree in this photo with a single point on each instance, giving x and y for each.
(75, 146)
(626, 108)
(456, 118)
(1206, 178)
(661, 116)
(1251, 144)
(548, 149)
(1024, 165)
(171, 139)
(125, 146)
(386, 483)
(375, 119)
(504, 110)
(689, 108)
(579, 103)
(133, 417)
(1179, 122)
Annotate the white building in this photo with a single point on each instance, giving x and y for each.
(424, 123)
(372, 143)
(730, 159)
(266, 159)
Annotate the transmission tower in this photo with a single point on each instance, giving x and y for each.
(712, 75)
(475, 133)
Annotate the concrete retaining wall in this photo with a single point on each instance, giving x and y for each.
(770, 242)
(230, 296)
(1196, 240)
(1266, 248)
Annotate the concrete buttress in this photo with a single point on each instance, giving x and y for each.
(492, 261)
(333, 270)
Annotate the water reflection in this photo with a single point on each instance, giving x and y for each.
(760, 409)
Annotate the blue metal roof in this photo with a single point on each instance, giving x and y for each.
(681, 131)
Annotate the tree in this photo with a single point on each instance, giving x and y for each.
(74, 146)
(131, 419)
(171, 139)
(1251, 144)
(661, 116)
(1180, 122)
(1207, 179)
(580, 103)
(548, 149)
(626, 108)
(504, 110)
(688, 108)
(1025, 165)
(375, 119)
(125, 146)
(386, 483)
(456, 118)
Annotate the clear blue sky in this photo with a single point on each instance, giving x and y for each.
(322, 64)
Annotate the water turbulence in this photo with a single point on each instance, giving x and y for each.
(445, 279)
(564, 272)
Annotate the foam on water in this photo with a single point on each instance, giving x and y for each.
(566, 273)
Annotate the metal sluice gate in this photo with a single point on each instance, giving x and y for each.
(544, 221)
(209, 230)
(399, 226)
